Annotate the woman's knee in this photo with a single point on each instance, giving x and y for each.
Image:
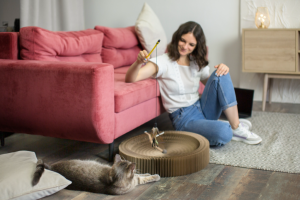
(224, 134)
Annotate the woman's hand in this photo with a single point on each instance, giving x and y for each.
(142, 57)
(136, 72)
(222, 69)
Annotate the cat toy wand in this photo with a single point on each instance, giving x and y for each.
(155, 131)
(153, 48)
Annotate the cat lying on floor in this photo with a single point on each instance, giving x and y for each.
(93, 176)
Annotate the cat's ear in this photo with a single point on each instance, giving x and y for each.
(132, 166)
(117, 158)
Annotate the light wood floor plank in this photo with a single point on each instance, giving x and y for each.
(282, 186)
(251, 185)
(223, 185)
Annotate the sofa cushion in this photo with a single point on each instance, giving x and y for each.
(119, 38)
(122, 70)
(131, 94)
(149, 30)
(120, 45)
(120, 57)
(74, 46)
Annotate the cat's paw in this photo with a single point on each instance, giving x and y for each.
(156, 177)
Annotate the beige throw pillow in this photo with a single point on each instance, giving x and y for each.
(16, 172)
(149, 30)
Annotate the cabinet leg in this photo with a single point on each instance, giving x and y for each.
(265, 92)
(270, 90)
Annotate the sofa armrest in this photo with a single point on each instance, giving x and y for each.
(59, 99)
(9, 46)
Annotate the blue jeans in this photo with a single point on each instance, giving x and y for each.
(202, 117)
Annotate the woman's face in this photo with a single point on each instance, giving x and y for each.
(187, 44)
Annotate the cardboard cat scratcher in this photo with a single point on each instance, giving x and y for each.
(186, 153)
(179, 154)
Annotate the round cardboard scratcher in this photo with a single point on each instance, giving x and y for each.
(186, 153)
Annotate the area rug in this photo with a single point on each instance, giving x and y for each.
(278, 151)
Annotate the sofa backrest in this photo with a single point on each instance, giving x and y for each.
(9, 45)
(120, 45)
(74, 46)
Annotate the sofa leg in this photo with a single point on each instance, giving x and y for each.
(111, 152)
(2, 136)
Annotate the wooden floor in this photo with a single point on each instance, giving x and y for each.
(213, 182)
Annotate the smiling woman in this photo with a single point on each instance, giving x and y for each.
(185, 40)
(179, 73)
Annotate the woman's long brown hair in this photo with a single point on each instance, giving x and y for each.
(200, 51)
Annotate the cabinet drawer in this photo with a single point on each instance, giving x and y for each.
(269, 51)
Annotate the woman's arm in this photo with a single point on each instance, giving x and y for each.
(136, 72)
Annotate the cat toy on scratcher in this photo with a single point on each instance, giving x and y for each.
(154, 136)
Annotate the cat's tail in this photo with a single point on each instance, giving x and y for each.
(39, 170)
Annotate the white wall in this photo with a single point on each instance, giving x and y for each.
(9, 11)
(218, 18)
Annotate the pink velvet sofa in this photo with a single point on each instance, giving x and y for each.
(71, 84)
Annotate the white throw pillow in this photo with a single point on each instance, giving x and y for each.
(16, 172)
(149, 30)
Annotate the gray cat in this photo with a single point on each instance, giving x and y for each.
(95, 177)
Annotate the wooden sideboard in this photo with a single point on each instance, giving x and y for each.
(274, 52)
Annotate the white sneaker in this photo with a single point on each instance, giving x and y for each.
(244, 135)
(245, 123)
